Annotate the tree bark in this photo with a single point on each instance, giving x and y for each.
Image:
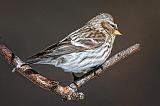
(68, 92)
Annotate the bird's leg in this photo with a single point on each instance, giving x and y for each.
(93, 70)
(75, 77)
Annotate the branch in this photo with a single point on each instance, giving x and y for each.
(69, 92)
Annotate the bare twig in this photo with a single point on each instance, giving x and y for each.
(69, 92)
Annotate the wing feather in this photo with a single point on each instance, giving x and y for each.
(82, 39)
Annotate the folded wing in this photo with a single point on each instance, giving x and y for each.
(82, 39)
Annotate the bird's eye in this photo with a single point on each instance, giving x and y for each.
(112, 25)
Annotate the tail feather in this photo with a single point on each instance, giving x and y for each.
(37, 55)
(44, 53)
(33, 61)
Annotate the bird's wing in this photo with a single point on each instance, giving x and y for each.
(82, 39)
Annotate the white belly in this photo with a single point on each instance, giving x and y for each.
(83, 61)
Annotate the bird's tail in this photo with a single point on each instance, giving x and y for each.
(41, 61)
(33, 61)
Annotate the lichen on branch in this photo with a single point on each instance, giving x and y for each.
(68, 92)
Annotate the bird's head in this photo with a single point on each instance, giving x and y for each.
(106, 22)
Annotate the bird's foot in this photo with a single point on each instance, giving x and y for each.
(95, 69)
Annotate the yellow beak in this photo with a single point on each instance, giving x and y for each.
(116, 32)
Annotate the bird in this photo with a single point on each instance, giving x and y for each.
(82, 50)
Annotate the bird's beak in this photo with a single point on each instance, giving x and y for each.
(116, 32)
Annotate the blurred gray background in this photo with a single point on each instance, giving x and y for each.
(27, 27)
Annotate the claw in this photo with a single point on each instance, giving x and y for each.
(95, 69)
(96, 74)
